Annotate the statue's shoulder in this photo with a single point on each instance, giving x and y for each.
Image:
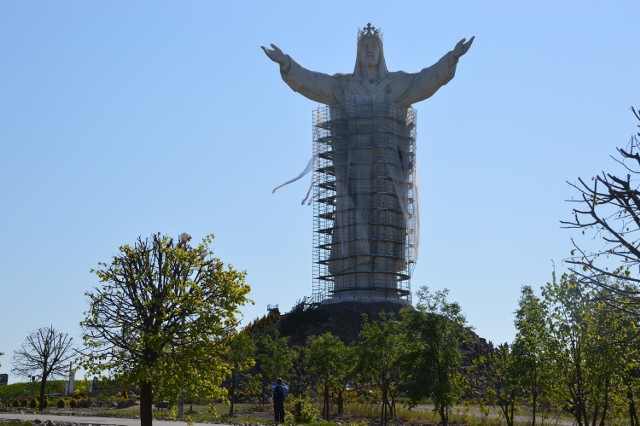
(401, 78)
(342, 79)
(400, 74)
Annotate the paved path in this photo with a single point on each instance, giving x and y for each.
(90, 420)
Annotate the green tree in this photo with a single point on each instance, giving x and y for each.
(496, 379)
(301, 382)
(583, 356)
(241, 357)
(162, 319)
(46, 352)
(332, 363)
(81, 387)
(616, 342)
(252, 385)
(434, 334)
(381, 346)
(528, 351)
(275, 358)
(608, 210)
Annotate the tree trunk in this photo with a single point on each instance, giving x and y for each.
(633, 414)
(383, 408)
(341, 402)
(265, 388)
(534, 398)
(325, 405)
(146, 404)
(392, 405)
(504, 407)
(594, 417)
(444, 415)
(534, 409)
(43, 398)
(583, 418)
(605, 409)
(232, 392)
(507, 410)
(512, 407)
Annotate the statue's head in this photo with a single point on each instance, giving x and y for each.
(370, 52)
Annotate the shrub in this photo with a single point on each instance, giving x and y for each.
(79, 394)
(73, 403)
(84, 403)
(15, 403)
(60, 403)
(24, 402)
(304, 411)
(214, 413)
(33, 403)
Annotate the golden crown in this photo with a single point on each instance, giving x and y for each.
(369, 31)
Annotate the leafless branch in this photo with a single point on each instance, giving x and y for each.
(609, 210)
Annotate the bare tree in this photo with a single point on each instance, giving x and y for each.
(609, 210)
(45, 354)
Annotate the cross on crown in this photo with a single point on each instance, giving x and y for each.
(369, 31)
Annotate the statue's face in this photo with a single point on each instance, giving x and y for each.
(369, 51)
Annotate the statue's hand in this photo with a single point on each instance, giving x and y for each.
(275, 54)
(462, 47)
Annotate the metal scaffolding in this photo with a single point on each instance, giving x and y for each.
(365, 203)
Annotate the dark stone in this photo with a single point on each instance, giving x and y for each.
(126, 403)
(343, 320)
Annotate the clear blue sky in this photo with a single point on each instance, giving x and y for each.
(120, 119)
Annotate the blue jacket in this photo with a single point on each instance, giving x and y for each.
(285, 389)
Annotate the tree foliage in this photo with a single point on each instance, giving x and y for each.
(381, 347)
(332, 363)
(529, 351)
(583, 353)
(497, 380)
(434, 333)
(162, 319)
(275, 358)
(44, 354)
(241, 357)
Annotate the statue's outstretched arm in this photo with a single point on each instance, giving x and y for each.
(424, 84)
(278, 56)
(314, 85)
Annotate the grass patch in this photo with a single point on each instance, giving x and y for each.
(356, 414)
(24, 389)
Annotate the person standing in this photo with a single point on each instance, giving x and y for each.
(279, 391)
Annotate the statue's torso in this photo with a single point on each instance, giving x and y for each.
(355, 91)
